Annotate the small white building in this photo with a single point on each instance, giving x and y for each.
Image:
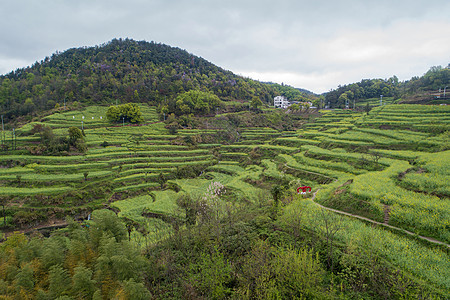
(281, 102)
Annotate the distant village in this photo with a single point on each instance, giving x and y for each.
(283, 102)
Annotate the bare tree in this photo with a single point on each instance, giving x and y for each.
(329, 226)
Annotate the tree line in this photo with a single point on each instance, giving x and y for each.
(435, 78)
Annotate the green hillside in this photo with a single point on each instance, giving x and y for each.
(117, 72)
(214, 210)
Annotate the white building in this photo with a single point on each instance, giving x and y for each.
(281, 102)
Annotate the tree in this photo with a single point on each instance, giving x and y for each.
(130, 225)
(83, 286)
(197, 102)
(367, 108)
(298, 274)
(277, 192)
(136, 95)
(47, 136)
(76, 139)
(256, 103)
(135, 290)
(161, 179)
(294, 107)
(59, 281)
(25, 279)
(74, 134)
(212, 275)
(330, 226)
(3, 202)
(129, 112)
(190, 207)
(164, 110)
(106, 222)
(343, 99)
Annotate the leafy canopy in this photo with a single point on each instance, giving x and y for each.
(196, 102)
(129, 112)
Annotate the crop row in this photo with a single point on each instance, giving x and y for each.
(338, 166)
(295, 141)
(15, 170)
(291, 162)
(23, 191)
(429, 264)
(227, 169)
(67, 168)
(413, 108)
(166, 164)
(130, 187)
(341, 154)
(155, 160)
(56, 177)
(138, 176)
(421, 213)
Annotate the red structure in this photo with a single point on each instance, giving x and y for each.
(304, 189)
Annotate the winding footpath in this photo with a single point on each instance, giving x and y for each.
(425, 238)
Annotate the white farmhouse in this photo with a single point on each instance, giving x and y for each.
(281, 102)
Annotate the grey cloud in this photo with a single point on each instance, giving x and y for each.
(286, 38)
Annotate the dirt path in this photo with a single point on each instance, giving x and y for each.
(431, 240)
(49, 225)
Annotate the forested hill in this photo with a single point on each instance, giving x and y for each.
(426, 89)
(120, 71)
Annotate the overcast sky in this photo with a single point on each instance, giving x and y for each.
(314, 44)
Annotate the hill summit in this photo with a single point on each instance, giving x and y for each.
(120, 71)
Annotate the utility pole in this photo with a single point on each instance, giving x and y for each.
(381, 100)
(64, 103)
(14, 139)
(3, 131)
(444, 90)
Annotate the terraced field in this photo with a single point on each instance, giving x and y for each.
(406, 188)
(120, 161)
(390, 165)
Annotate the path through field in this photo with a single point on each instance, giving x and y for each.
(431, 240)
(48, 225)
